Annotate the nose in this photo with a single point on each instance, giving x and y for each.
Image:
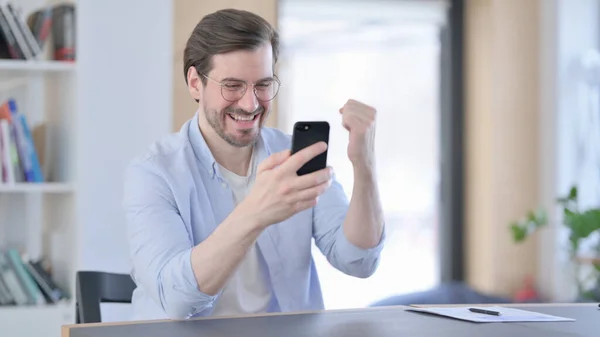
(248, 102)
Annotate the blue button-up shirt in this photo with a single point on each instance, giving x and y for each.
(175, 197)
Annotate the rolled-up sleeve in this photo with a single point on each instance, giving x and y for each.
(160, 243)
(328, 220)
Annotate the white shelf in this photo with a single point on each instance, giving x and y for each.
(42, 219)
(37, 66)
(36, 188)
(47, 320)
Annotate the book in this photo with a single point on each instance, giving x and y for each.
(6, 298)
(18, 153)
(12, 282)
(21, 42)
(26, 282)
(40, 23)
(8, 40)
(52, 291)
(24, 30)
(18, 40)
(8, 174)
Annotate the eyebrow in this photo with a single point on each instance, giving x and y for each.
(270, 78)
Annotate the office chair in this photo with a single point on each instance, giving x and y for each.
(94, 287)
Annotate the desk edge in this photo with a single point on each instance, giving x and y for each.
(516, 305)
(67, 327)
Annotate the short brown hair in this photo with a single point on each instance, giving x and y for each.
(225, 31)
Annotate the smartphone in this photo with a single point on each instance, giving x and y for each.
(306, 134)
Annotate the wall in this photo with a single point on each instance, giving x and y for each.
(187, 13)
(124, 103)
(501, 139)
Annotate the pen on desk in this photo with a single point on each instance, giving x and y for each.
(482, 311)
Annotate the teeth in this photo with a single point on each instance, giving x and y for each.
(242, 118)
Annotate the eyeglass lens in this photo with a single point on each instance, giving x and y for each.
(264, 91)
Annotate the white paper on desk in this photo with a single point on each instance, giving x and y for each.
(506, 314)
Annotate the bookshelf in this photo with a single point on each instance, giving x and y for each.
(47, 188)
(35, 321)
(38, 219)
(36, 66)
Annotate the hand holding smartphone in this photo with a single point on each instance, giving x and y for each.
(286, 185)
(307, 133)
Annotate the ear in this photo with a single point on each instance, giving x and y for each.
(194, 83)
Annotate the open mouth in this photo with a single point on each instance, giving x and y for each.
(243, 119)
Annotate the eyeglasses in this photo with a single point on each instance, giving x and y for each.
(234, 90)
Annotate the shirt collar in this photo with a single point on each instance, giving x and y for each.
(204, 154)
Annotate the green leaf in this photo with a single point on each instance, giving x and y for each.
(531, 216)
(573, 193)
(519, 233)
(582, 224)
(569, 217)
(530, 223)
(571, 197)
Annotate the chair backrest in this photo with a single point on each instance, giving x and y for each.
(95, 287)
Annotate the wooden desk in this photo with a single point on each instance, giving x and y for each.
(380, 322)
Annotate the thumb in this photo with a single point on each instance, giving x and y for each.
(273, 161)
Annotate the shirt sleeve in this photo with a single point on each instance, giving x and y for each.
(328, 219)
(160, 243)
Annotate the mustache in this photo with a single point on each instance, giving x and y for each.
(239, 111)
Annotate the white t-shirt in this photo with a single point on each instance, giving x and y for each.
(247, 291)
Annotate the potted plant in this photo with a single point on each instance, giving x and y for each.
(583, 246)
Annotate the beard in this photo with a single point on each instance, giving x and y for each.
(242, 138)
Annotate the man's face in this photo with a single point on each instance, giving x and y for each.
(237, 121)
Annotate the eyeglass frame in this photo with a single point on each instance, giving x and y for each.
(221, 84)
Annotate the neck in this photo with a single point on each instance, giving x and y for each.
(233, 158)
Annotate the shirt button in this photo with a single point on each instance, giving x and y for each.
(224, 185)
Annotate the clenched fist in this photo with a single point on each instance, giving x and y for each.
(359, 120)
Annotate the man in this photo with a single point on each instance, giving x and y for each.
(219, 223)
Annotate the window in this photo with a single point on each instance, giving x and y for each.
(385, 54)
